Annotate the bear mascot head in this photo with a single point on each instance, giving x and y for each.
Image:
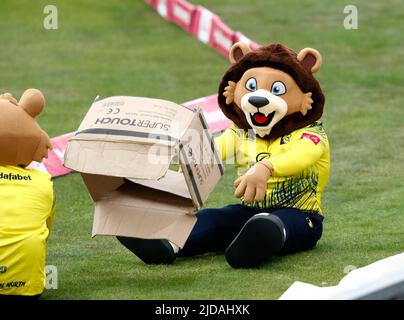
(21, 138)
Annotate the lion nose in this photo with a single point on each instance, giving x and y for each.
(258, 101)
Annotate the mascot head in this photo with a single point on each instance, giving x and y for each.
(21, 139)
(271, 90)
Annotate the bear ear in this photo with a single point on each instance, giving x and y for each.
(237, 51)
(33, 102)
(310, 59)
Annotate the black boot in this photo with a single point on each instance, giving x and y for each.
(261, 238)
(154, 251)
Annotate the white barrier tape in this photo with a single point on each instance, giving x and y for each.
(181, 14)
(220, 37)
(162, 8)
(205, 25)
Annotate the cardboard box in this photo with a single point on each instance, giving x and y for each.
(124, 148)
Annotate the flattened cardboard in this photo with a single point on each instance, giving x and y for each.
(123, 149)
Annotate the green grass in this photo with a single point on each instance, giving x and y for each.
(123, 47)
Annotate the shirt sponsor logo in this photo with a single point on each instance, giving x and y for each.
(10, 176)
(312, 137)
(12, 284)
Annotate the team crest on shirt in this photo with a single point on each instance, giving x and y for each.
(3, 269)
(285, 139)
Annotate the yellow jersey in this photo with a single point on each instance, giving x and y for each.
(301, 162)
(26, 216)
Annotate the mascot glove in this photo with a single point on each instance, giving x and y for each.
(253, 184)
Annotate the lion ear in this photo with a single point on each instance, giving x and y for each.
(310, 59)
(237, 51)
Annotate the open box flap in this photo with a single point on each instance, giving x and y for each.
(99, 185)
(201, 164)
(172, 182)
(118, 159)
(133, 211)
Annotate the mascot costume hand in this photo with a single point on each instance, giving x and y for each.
(26, 197)
(281, 153)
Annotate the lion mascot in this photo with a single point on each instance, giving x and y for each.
(26, 197)
(281, 153)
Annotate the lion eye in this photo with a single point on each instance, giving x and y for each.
(278, 88)
(251, 84)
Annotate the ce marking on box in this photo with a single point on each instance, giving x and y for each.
(115, 110)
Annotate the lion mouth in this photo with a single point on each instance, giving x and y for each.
(261, 120)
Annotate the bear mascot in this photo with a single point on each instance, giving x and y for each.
(281, 153)
(26, 197)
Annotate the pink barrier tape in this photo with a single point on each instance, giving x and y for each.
(54, 163)
(177, 11)
(202, 23)
(215, 118)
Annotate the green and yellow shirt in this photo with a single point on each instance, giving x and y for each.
(26, 216)
(301, 162)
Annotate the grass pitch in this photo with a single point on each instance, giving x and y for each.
(124, 48)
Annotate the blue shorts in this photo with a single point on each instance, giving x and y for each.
(217, 227)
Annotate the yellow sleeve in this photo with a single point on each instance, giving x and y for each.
(226, 143)
(303, 153)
